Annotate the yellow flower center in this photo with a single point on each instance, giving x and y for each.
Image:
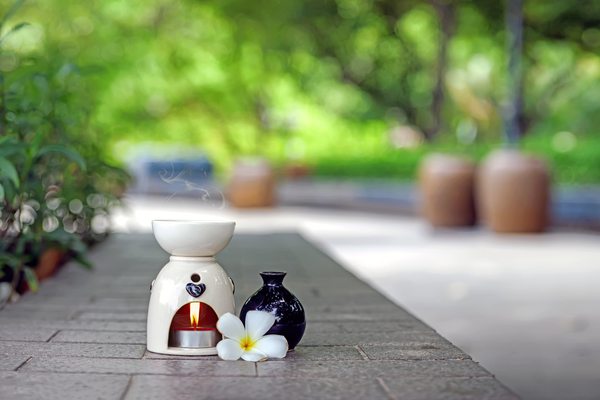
(247, 343)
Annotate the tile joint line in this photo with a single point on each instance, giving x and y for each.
(23, 363)
(124, 395)
(362, 353)
(385, 388)
(53, 336)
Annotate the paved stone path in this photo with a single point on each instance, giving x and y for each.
(83, 336)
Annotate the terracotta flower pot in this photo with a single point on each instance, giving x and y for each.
(252, 184)
(513, 192)
(48, 264)
(50, 260)
(447, 190)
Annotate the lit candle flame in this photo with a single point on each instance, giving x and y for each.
(195, 314)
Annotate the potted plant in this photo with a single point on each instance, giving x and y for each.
(54, 198)
(33, 244)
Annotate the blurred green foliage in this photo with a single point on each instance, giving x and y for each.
(56, 186)
(333, 83)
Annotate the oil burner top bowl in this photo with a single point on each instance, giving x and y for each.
(199, 238)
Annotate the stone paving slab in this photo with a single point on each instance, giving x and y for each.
(378, 338)
(11, 362)
(51, 386)
(83, 335)
(382, 326)
(150, 388)
(364, 369)
(413, 351)
(356, 315)
(10, 332)
(484, 388)
(38, 314)
(27, 324)
(128, 366)
(112, 316)
(99, 350)
(122, 337)
(306, 353)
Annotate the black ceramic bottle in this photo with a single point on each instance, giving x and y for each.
(274, 298)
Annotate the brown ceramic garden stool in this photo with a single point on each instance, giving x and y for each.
(252, 184)
(447, 190)
(513, 192)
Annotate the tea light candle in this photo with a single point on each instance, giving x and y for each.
(194, 326)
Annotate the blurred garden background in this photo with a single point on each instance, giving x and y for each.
(352, 88)
(329, 103)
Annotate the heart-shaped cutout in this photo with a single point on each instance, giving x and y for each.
(194, 289)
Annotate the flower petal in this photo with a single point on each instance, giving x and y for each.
(254, 356)
(231, 326)
(229, 350)
(258, 323)
(273, 346)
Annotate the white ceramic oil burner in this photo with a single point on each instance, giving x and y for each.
(192, 291)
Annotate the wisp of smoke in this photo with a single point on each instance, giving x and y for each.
(213, 197)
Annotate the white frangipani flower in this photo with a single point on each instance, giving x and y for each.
(250, 342)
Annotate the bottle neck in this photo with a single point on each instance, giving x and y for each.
(272, 278)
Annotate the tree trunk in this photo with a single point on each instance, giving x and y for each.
(446, 17)
(513, 110)
(3, 129)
